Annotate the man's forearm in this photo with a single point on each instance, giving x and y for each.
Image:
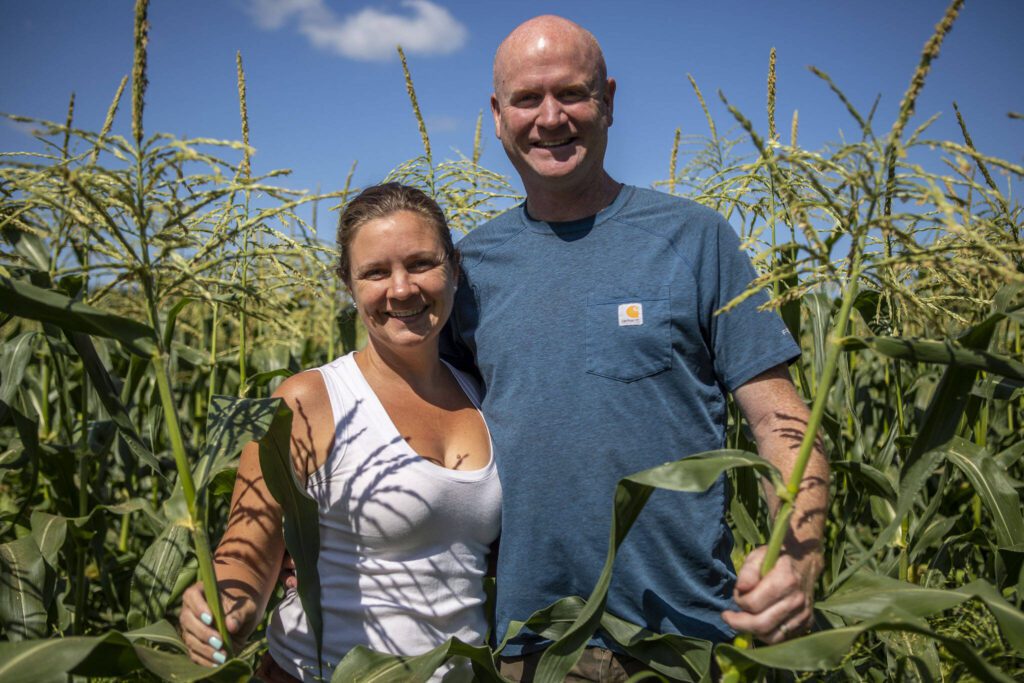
(778, 442)
(778, 419)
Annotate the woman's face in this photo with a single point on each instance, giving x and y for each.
(401, 282)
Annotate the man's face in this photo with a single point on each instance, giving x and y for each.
(552, 114)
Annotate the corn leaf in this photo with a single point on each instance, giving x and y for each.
(549, 622)
(35, 303)
(678, 657)
(993, 485)
(827, 649)
(13, 362)
(172, 318)
(947, 405)
(49, 532)
(112, 655)
(868, 596)
(694, 473)
(155, 575)
(109, 396)
(29, 247)
(232, 423)
(944, 352)
(367, 666)
(873, 481)
(22, 605)
(301, 516)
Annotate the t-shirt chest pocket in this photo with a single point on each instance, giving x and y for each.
(629, 333)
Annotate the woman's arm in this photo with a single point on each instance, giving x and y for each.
(248, 557)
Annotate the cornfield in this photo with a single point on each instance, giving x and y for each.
(153, 291)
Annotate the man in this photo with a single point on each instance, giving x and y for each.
(589, 312)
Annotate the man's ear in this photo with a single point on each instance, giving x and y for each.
(496, 112)
(609, 98)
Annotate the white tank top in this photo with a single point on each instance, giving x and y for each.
(403, 542)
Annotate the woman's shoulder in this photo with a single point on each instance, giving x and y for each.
(312, 420)
(304, 387)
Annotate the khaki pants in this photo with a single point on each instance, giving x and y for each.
(596, 664)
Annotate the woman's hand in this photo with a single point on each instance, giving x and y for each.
(199, 632)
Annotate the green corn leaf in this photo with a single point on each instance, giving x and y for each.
(112, 655)
(819, 310)
(172, 318)
(550, 622)
(160, 632)
(868, 596)
(1011, 455)
(231, 424)
(347, 322)
(13, 362)
(943, 352)
(49, 532)
(301, 515)
(947, 405)
(932, 534)
(364, 665)
(196, 359)
(155, 576)
(22, 602)
(790, 311)
(169, 666)
(1008, 299)
(30, 247)
(873, 310)
(827, 649)
(35, 303)
(998, 389)
(993, 485)
(109, 396)
(745, 506)
(262, 379)
(30, 455)
(694, 473)
(76, 524)
(678, 657)
(873, 481)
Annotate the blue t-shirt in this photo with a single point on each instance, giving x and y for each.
(601, 356)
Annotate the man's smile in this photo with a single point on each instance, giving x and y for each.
(548, 144)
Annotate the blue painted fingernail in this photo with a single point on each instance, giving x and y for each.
(215, 642)
(219, 657)
(206, 618)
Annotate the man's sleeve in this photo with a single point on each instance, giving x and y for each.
(745, 341)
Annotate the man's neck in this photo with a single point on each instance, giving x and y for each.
(560, 205)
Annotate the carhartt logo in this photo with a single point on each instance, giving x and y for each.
(631, 314)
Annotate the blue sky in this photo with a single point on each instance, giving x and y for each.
(324, 88)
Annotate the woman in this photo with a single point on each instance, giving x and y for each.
(394, 450)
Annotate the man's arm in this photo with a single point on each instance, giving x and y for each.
(779, 605)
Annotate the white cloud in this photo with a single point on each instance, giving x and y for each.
(370, 34)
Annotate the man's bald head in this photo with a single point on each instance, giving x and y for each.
(542, 34)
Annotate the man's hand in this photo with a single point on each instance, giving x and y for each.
(779, 605)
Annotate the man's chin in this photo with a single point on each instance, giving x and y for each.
(557, 174)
